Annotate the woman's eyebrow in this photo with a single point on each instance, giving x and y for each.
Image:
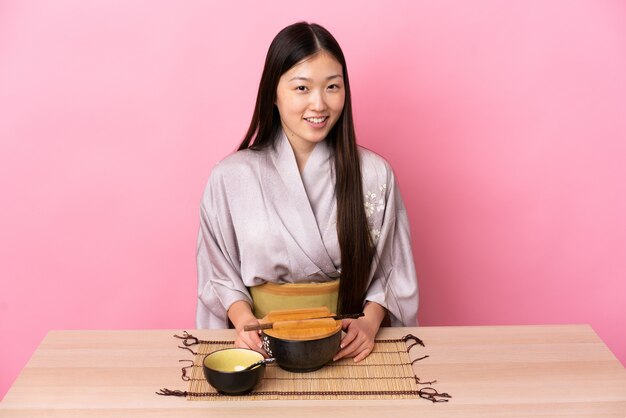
(308, 79)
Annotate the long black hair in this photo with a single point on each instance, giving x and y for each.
(290, 46)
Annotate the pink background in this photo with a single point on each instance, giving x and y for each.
(505, 123)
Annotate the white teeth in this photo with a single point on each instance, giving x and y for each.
(316, 120)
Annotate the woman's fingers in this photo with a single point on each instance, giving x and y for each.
(364, 352)
(251, 340)
(359, 349)
(357, 342)
(345, 352)
(351, 333)
(345, 346)
(351, 344)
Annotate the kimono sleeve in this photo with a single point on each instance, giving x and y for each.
(218, 264)
(394, 281)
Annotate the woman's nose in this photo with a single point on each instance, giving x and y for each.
(318, 101)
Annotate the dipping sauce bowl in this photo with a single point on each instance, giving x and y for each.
(223, 369)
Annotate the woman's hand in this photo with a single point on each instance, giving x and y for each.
(240, 315)
(360, 333)
(249, 339)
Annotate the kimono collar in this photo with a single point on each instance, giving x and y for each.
(297, 211)
(319, 155)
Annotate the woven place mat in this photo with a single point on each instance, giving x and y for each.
(387, 373)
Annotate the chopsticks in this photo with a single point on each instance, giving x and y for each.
(323, 321)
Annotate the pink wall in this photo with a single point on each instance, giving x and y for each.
(504, 122)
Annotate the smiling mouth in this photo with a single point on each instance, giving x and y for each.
(316, 119)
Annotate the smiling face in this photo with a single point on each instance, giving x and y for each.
(310, 98)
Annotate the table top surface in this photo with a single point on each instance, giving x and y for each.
(491, 371)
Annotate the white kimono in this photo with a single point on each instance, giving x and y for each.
(261, 220)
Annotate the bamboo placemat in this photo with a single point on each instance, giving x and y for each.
(387, 373)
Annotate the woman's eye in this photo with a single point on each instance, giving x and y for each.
(333, 87)
(301, 88)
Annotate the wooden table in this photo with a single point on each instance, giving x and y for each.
(504, 371)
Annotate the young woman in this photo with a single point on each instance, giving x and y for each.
(300, 216)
